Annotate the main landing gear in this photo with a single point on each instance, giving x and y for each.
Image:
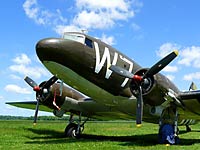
(73, 129)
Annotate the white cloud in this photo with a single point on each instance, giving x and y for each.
(23, 67)
(17, 89)
(122, 5)
(170, 69)
(15, 77)
(102, 14)
(163, 51)
(90, 14)
(190, 56)
(192, 76)
(92, 20)
(22, 59)
(34, 72)
(42, 16)
(108, 39)
(31, 10)
(167, 48)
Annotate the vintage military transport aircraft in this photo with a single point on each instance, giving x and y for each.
(109, 85)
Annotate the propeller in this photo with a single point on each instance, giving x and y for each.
(141, 80)
(39, 91)
(161, 64)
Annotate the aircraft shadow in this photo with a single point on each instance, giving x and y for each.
(55, 137)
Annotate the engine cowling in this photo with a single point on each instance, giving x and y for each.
(153, 88)
(146, 83)
(50, 94)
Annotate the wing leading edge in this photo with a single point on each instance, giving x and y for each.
(188, 95)
(29, 105)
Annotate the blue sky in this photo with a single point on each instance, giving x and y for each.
(142, 29)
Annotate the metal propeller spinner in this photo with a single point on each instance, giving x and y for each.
(142, 80)
(39, 91)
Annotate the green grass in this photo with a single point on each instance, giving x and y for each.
(100, 135)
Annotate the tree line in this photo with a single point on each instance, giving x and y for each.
(32, 117)
(65, 118)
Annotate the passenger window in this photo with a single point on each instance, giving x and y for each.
(88, 42)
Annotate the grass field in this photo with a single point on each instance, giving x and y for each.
(97, 135)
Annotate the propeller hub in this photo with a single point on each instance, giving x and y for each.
(36, 88)
(137, 78)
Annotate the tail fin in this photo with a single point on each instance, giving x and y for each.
(193, 87)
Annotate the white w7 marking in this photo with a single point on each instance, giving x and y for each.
(106, 56)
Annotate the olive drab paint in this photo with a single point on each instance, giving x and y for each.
(106, 56)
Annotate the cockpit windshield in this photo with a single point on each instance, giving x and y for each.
(78, 37)
(75, 37)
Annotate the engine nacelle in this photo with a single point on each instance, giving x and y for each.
(153, 88)
(48, 95)
(55, 96)
(146, 84)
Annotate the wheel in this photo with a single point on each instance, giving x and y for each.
(71, 131)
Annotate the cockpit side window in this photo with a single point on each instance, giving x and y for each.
(88, 42)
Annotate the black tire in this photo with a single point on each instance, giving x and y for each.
(71, 131)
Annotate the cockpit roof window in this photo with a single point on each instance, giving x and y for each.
(75, 37)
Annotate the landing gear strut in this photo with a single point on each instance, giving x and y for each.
(168, 131)
(73, 129)
(188, 129)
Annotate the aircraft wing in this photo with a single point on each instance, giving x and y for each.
(29, 105)
(188, 95)
(87, 106)
(191, 100)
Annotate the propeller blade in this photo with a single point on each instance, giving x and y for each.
(36, 112)
(30, 82)
(161, 64)
(139, 109)
(38, 90)
(121, 71)
(51, 81)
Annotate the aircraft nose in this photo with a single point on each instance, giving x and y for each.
(48, 47)
(47, 44)
(59, 50)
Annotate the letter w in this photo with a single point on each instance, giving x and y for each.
(100, 63)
